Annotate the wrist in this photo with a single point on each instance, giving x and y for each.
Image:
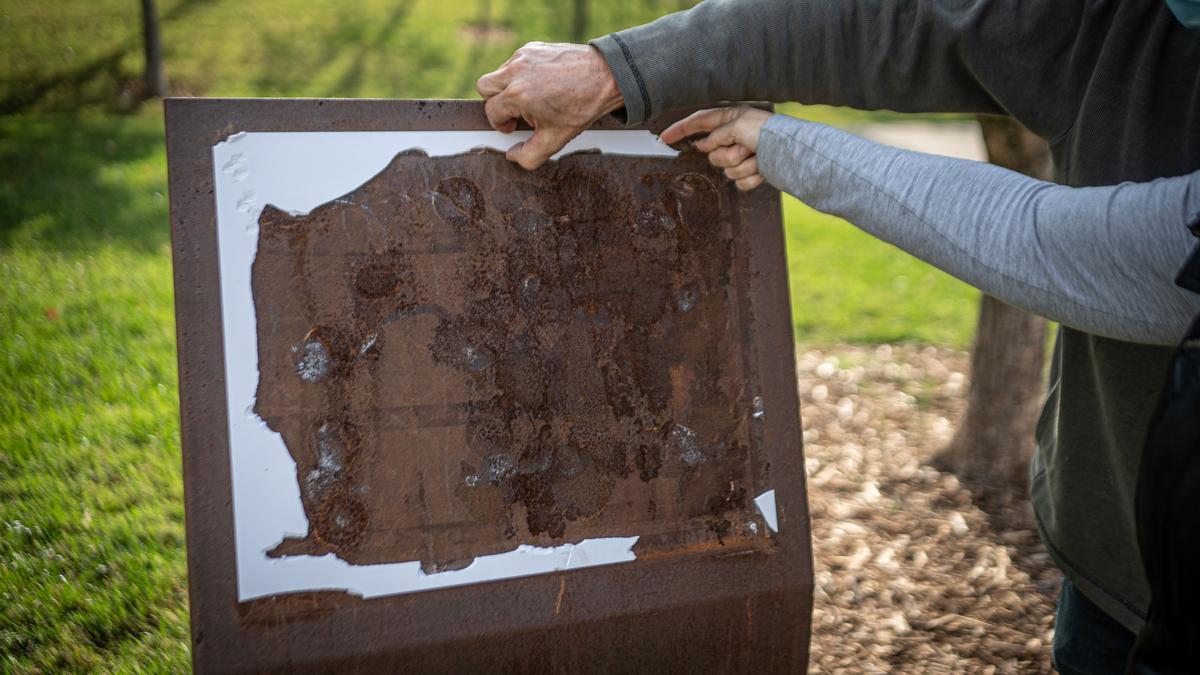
(633, 92)
(759, 119)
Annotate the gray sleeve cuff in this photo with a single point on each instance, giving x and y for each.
(629, 78)
(772, 150)
(777, 161)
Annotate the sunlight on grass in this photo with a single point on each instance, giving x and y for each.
(847, 286)
(91, 501)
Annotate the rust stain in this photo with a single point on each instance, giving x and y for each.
(399, 444)
(562, 590)
(462, 357)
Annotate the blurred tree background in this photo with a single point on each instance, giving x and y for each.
(92, 561)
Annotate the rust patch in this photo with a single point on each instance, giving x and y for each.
(279, 610)
(463, 357)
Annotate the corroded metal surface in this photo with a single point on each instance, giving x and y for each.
(602, 346)
(463, 357)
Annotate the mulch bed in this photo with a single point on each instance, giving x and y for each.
(911, 574)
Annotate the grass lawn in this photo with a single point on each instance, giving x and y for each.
(92, 562)
(847, 286)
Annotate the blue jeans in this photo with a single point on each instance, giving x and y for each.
(1087, 641)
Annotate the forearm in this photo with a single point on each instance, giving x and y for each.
(906, 55)
(1101, 259)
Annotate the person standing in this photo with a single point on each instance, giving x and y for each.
(1112, 85)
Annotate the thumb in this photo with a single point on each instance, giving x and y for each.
(534, 151)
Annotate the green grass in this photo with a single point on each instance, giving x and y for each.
(92, 562)
(847, 286)
(60, 54)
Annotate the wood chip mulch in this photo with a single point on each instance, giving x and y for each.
(911, 574)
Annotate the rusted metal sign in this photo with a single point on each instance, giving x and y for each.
(527, 421)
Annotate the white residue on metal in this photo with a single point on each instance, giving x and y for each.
(313, 364)
(327, 572)
(368, 343)
(766, 506)
(296, 172)
(687, 299)
(758, 413)
(476, 359)
(688, 445)
(329, 463)
(499, 467)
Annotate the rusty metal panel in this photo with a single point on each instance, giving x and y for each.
(461, 358)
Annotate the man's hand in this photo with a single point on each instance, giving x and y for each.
(731, 141)
(558, 89)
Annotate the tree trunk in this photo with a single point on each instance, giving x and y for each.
(579, 21)
(155, 76)
(995, 441)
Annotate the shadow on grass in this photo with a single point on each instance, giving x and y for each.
(72, 84)
(97, 81)
(74, 182)
(348, 46)
(351, 81)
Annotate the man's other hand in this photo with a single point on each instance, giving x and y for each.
(731, 140)
(558, 89)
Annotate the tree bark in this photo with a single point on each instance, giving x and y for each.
(155, 77)
(579, 21)
(995, 441)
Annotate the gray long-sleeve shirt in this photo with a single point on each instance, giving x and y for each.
(1113, 85)
(1099, 259)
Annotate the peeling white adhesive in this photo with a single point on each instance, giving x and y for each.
(327, 572)
(758, 413)
(766, 506)
(296, 172)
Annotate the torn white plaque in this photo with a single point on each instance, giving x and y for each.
(766, 506)
(296, 172)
